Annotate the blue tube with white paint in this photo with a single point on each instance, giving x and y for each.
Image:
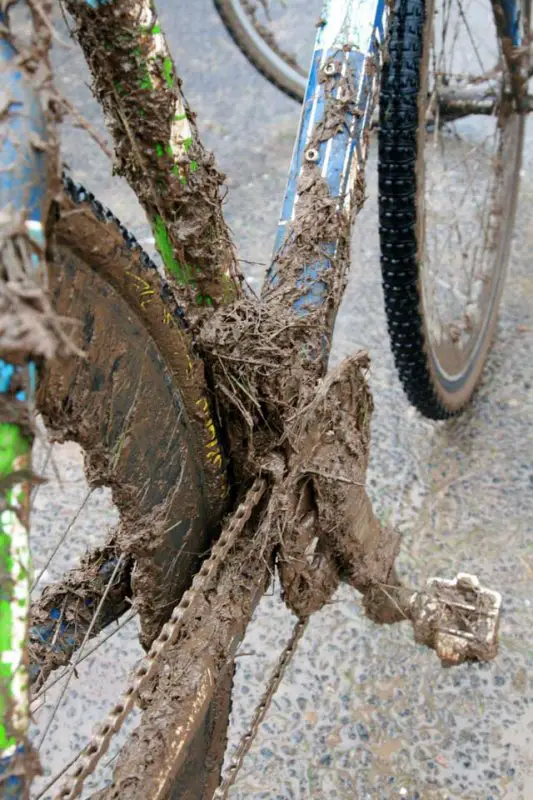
(347, 48)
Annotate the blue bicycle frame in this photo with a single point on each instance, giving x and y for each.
(348, 44)
(349, 52)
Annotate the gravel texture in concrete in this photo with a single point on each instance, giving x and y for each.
(362, 712)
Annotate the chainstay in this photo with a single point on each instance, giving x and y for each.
(147, 669)
(261, 709)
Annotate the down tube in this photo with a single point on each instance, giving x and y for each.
(347, 52)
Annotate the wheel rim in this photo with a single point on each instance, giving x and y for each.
(468, 171)
(270, 27)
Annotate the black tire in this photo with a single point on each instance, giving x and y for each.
(275, 65)
(436, 392)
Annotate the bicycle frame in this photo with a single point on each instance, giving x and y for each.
(341, 158)
(333, 138)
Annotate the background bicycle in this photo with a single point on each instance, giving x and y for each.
(360, 708)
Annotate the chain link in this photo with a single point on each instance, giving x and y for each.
(182, 613)
(261, 710)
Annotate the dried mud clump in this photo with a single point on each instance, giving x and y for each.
(28, 324)
(79, 594)
(29, 328)
(266, 361)
(257, 376)
(330, 441)
(318, 225)
(313, 437)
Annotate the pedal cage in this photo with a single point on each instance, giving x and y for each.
(457, 618)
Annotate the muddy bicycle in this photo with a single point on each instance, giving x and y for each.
(210, 413)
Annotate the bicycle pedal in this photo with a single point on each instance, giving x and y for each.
(457, 618)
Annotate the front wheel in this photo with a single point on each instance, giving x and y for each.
(447, 196)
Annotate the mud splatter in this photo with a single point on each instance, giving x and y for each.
(158, 149)
(267, 361)
(122, 405)
(192, 672)
(64, 612)
(28, 325)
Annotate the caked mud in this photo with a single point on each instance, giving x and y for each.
(131, 401)
(157, 148)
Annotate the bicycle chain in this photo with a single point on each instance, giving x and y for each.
(247, 739)
(147, 669)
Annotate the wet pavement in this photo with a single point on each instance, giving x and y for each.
(363, 712)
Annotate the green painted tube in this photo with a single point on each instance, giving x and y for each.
(15, 456)
(17, 388)
(158, 148)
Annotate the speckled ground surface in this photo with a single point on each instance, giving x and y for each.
(362, 712)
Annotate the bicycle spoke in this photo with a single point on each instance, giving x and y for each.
(72, 667)
(442, 57)
(42, 472)
(469, 190)
(455, 256)
(471, 36)
(63, 537)
(238, 563)
(190, 650)
(80, 591)
(52, 782)
(50, 684)
(62, 769)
